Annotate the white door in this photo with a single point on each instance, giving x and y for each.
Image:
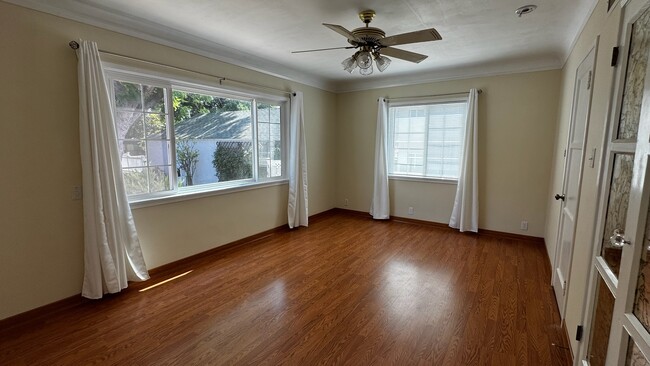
(574, 157)
(618, 316)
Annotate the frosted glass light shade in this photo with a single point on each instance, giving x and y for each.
(366, 71)
(364, 60)
(349, 64)
(382, 62)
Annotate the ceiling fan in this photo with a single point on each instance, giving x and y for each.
(372, 43)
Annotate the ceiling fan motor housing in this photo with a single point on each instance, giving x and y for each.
(369, 35)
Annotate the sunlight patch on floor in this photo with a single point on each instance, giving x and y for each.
(165, 281)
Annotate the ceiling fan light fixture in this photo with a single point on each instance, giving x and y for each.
(382, 62)
(349, 63)
(370, 41)
(364, 60)
(366, 71)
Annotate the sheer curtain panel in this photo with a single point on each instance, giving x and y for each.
(297, 169)
(465, 213)
(380, 205)
(112, 254)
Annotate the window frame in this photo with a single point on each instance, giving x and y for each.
(415, 102)
(171, 82)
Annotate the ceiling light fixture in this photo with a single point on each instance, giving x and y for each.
(382, 62)
(369, 50)
(526, 9)
(363, 60)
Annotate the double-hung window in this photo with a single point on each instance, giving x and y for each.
(425, 137)
(176, 138)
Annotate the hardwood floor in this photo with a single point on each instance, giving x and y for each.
(348, 290)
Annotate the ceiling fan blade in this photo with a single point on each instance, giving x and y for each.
(404, 55)
(325, 49)
(342, 31)
(424, 35)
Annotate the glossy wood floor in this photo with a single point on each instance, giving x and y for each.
(345, 291)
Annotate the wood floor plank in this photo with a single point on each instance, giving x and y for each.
(345, 291)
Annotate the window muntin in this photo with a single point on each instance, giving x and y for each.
(166, 131)
(269, 140)
(425, 140)
(141, 119)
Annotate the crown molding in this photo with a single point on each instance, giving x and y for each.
(150, 31)
(144, 29)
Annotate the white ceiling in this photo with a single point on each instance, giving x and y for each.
(479, 37)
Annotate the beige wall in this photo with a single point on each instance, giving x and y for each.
(517, 118)
(41, 235)
(605, 27)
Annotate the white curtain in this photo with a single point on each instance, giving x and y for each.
(380, 205)
(465, 213)
(112, 254)
(297, 169)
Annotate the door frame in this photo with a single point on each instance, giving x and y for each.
(591, 54)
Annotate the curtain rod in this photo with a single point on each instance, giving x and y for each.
(479, 91)
(75, 45)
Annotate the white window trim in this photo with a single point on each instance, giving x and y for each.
(174, 81)
(416, 101)
(201, 193)
(417, 178)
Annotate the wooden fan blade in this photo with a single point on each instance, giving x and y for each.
(342, 31)
(325, 49)
(404, 55)
(424, 35)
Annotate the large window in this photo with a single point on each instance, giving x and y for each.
(175, 139)
(425, 140)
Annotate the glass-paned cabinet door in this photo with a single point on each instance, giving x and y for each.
(620, 151)
(621, 255)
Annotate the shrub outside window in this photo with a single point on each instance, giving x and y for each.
(425, 138)
(174, 139)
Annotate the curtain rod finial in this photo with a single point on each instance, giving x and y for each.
(74, 45)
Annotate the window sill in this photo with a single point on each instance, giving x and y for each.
(195, 193)
(423, 179)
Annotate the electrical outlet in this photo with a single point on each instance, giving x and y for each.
(524, 225)
(410, 210)
(77, 193)
(346, 202)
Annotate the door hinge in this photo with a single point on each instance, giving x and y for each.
(589, 81)
(579, 329)
(564, 153)
(563, 288)
(614, 56)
